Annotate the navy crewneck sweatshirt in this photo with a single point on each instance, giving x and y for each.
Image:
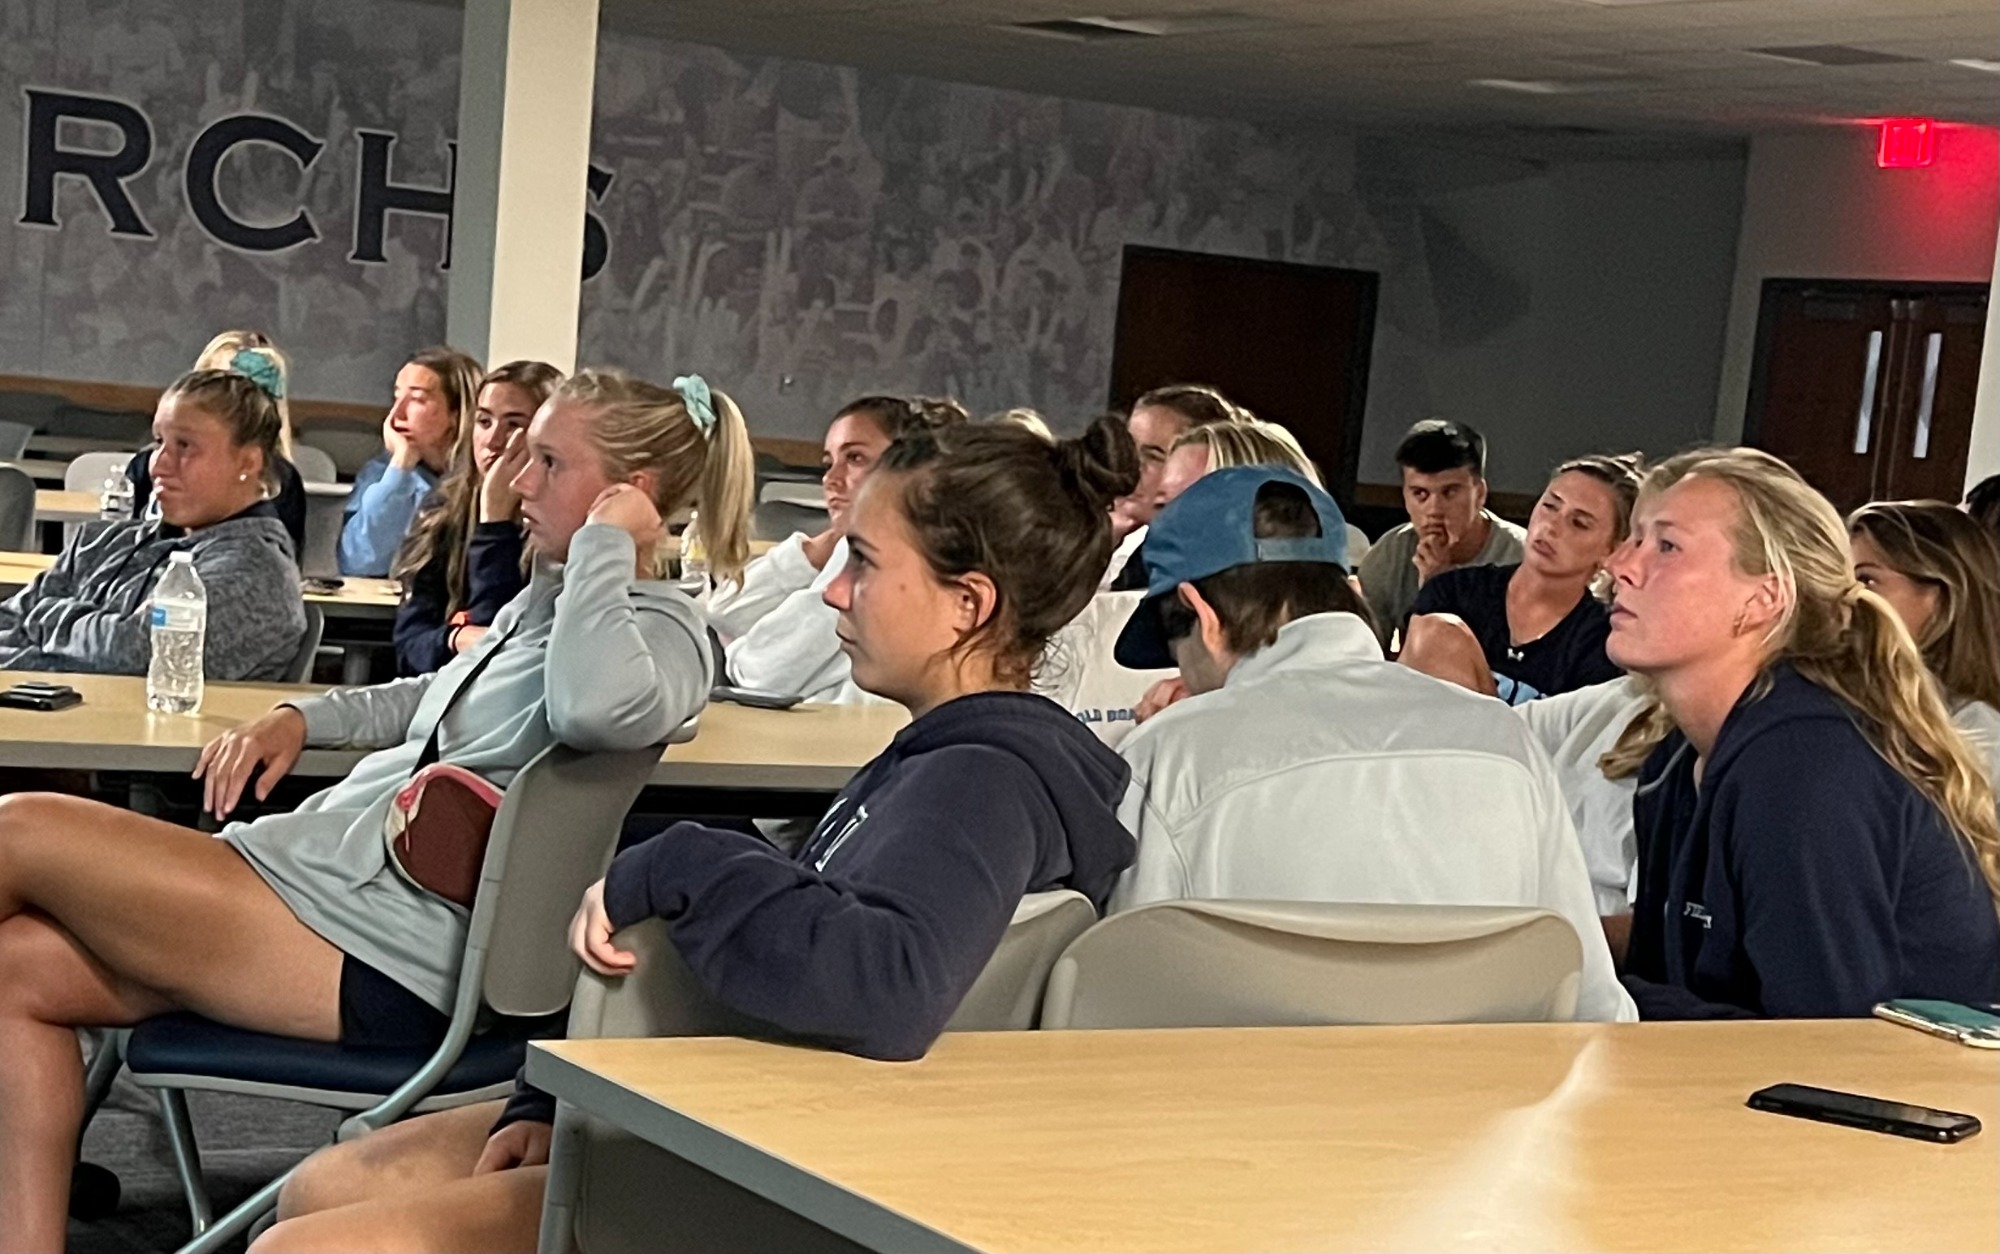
(1803, 878)
(868, 938)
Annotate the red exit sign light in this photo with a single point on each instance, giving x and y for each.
(1907, 144)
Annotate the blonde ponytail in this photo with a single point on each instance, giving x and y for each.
(728, 490)
(640, 426)
(1876, 668)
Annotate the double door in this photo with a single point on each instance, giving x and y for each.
(1867, 388)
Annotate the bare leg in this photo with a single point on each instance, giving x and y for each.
(419, 1153)
(1443, 647)
(107, 918)
(499, 1211)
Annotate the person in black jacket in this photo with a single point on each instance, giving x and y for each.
(462, 560)
(969, 547)
(1813, 835)
(1539, 623)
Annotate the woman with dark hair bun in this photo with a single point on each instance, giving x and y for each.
(969, 546)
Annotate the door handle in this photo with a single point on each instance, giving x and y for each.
(1933, 348)
(1864, 421)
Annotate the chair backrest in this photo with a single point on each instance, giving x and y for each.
(1007, 996)
(324, 519)
(32, 408)
(552, 838)
(87, 422)
(661, 997)
(88, 471)
(14, 437)
(1274, 963)
(17, 509)
(302, 662)
(314, 465)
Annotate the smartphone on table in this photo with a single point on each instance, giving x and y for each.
(755, 698)
(1852, 1110)
(1968, 1025)
(37, 695)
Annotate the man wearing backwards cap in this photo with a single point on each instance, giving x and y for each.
(1303, 766)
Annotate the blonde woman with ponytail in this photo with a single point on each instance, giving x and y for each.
(296, 923)
(1814, 836)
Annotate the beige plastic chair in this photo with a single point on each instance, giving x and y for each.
(1276, 963)
(315, 465)
(611, 1189)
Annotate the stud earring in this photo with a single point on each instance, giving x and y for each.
(243, 478)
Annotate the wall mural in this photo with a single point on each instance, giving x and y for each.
(801, 233)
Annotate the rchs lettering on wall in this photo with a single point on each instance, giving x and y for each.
(106, 172)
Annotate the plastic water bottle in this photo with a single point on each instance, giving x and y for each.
(180, 623)
(694, 558)
(114, 502)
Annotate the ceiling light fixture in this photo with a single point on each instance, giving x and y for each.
(1974, 63)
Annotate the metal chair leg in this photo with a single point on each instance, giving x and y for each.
(187, 1158)
(103, 1071)
(239, 1221)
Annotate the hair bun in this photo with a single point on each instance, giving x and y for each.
(1100, 465)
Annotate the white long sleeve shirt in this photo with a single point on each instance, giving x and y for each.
(777, 629)
(1577, 728)
(1319, 772)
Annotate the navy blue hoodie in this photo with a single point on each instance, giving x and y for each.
(869, 937)
(1803, 878)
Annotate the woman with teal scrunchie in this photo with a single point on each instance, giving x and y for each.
(253, 355)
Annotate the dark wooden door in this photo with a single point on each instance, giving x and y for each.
(1288, 341)
(1867, 388)
(1937, 379)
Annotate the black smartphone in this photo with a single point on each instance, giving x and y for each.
(40, 696)
(753, 697)
(1872, 1113)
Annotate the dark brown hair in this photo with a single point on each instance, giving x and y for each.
(897, 415)
(1935, 544)
(1254, 601)
(250, 413)
(1198, 404)
(1983, 503)
(446, 521)
(1032, 516)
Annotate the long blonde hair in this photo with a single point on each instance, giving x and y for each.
(1837, 635)
(220, 354)
(643, 426)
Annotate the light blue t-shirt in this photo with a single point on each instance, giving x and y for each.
(378, 514)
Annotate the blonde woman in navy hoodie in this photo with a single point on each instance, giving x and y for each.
(1814, 836)
(968, 548)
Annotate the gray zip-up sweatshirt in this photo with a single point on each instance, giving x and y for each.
(90, 611)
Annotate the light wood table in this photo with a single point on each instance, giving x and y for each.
(1491, 1137)
(114, 731)
(809, 748)
(57, 505)
(355, 598)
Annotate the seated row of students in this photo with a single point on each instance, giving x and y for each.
(296, 923)
(968, 548)
(213, 467)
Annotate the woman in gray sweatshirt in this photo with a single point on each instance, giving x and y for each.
(295, 923)
(215, 440)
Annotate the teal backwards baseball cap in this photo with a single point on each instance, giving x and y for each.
(1211, 528)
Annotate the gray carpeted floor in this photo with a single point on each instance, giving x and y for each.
(245, 1143)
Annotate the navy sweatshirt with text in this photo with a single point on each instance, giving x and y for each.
(1802, 878)
(869, 937)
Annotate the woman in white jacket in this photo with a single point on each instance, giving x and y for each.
(776, 630)
(296, 923)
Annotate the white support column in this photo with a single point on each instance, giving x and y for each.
(1984, 457)
(526, 73)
